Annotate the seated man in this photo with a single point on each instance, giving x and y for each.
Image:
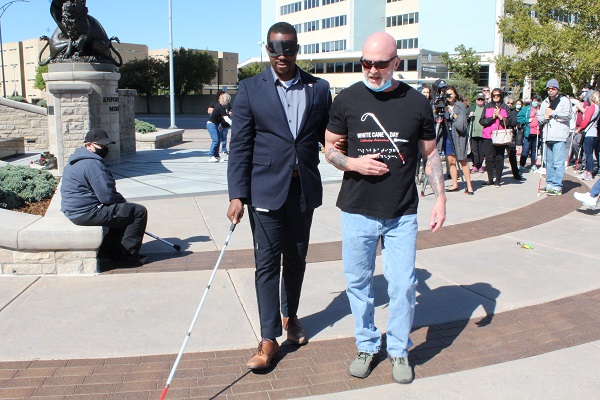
(90, 198)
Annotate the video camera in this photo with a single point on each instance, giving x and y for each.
(440, 103)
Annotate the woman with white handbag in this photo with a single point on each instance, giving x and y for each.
(497, 121)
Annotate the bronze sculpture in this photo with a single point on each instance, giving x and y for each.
(79, 36)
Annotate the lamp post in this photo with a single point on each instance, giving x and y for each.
(14, 67)
(261, 44)
(171, 70)
(2, 10)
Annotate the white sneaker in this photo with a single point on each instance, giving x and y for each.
(214, 159)
(586, 199)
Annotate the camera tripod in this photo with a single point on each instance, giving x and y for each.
(441, 123)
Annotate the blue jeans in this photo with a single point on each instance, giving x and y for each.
(224, 139)
(595, 189)
(556, 154)
(589, 147)
(215, 135)
(360, 236)
(529, 145)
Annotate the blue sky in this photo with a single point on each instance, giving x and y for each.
(232, 25)
(235, 25)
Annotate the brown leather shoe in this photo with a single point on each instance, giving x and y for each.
(295, 332)
(267, 350)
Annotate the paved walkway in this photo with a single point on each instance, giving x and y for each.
(493, 320)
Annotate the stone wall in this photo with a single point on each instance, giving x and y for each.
(47, 262)
(127, 121)
(75, 123)
(24, 120)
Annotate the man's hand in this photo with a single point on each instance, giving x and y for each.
(235, 211)
(438, 214)
(341, 144)
(549, 112)
(368, 165)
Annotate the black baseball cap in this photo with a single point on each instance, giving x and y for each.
(99, 136)
(480, 96)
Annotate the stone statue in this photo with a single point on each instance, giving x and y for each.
(79, 36)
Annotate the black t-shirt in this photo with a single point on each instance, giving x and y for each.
(218, 113)
(363, 115)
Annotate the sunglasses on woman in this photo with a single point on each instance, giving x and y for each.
(368, 64)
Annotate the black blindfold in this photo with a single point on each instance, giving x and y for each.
(287, 48)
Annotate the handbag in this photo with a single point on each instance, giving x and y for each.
(502, 137)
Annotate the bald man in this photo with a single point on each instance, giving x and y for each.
(384, 121)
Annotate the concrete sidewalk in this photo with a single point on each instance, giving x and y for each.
(116, 318)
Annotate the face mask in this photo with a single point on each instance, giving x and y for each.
(102, 152)
(518, 106)
(534, 104)
(385, 86)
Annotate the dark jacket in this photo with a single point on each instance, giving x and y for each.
(263, 151)
(86, 183)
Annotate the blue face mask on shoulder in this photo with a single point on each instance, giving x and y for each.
(385, 86)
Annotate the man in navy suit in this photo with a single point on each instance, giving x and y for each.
(280, 117)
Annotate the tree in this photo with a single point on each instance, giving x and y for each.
(143, 75)
(465, 63)
(249, 71)
(192, 69)
(554, 39)
(40, 83)
(464, 86)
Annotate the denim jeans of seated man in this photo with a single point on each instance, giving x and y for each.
(360, 236)
(215, 135)
(556, 154)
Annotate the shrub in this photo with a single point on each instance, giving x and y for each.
(9, 200)
(144, 127)
(29, 184)
(20, 99)
(42, 103)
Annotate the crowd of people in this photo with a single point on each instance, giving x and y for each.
(552, 134)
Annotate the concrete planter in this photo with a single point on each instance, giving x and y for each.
(159, 140)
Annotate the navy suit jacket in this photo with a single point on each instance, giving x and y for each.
(262, 149)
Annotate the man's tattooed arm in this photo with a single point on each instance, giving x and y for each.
(434, 173)
(336, 158)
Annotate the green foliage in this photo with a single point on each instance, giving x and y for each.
(192, 69)
(465, 63)
(144, 127)
(305, 65)
(143, 75)
(28, 184)
(464, 86)
(562, 41)
(20, 99)
(40, 83)
(249, 71)
(42, 103)
(9, 199)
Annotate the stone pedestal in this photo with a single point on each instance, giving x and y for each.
(81, 96)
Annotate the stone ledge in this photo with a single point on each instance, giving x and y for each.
(23, 106)
(159, 140)
(47, 245)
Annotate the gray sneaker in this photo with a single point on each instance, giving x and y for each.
(401, 370)
(362, 365)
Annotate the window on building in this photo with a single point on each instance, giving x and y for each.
(319, 68)
(333, 22)
(401, 66)
(392, 1)
(311, 26)
(291, 8)
(411, 65)
(336, 45)
(357, 66)
(298, 28)
(403, 19)
(412, 43)
(325, 2)
(330, 68)
(311, 48)
(348, 66)
(484, 75)
(310, 4)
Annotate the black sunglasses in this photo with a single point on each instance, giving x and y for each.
(368, 64)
